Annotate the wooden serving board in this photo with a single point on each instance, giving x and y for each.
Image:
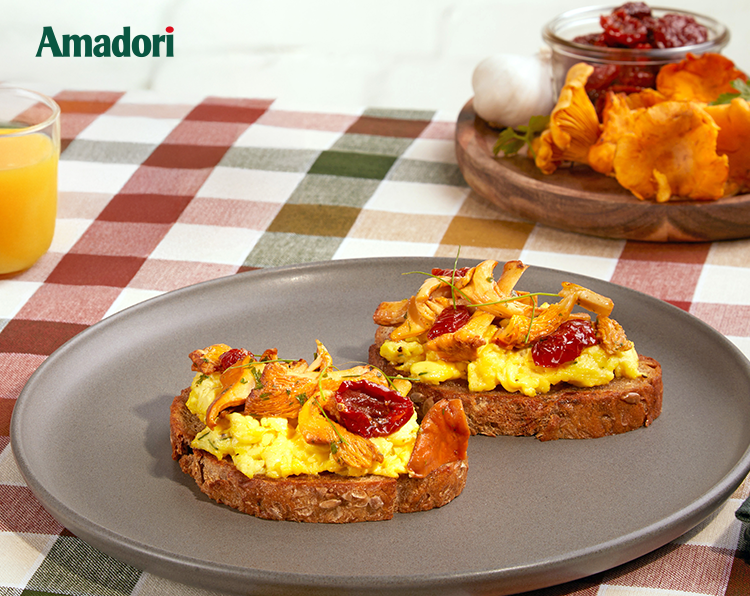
(581, 200)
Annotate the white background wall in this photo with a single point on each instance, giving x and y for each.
(392, 53)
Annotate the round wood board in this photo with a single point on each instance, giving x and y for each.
(579, 199)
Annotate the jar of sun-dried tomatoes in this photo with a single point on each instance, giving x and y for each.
(627, 44)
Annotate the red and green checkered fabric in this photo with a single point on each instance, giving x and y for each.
(157, 194)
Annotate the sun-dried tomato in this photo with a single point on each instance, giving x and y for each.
(371, 410)
(230, 358)
(603, 76)
(632, 26)
(449, 272)
(639, 10)
(449, 320)
(637, 77)
(676, 30)
(565, 344)
(591, 39)
(623, 30)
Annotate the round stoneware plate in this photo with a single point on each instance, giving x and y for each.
(90, 432)
(579, 199)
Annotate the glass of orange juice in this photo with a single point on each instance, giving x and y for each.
(29, 152)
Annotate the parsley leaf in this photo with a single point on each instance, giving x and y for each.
(743, 92)
(258, 377)
(512, 140)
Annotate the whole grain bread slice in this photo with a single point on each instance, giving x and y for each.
(566, 412)
(325, 498)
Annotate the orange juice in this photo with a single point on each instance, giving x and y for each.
(28, 198)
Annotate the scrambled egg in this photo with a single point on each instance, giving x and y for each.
(513, 370)
(272, 446)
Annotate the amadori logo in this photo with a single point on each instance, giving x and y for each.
(102, 46)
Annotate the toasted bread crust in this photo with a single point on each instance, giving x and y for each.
(326, 498)
(566, 412)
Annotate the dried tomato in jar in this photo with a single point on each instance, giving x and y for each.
(633, 26)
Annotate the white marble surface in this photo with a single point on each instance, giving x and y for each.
(318, 53)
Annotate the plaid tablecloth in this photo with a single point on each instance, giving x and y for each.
(157, 194)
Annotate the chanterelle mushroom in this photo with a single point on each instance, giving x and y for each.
(698, 78)
(733, 141)
(671, 151)
(574, 124)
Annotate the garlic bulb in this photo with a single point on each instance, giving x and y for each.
(510, 89)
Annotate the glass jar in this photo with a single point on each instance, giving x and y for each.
(560, 32)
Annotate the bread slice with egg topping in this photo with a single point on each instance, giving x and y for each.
(282, 443)
(519, 367)
(564, 412)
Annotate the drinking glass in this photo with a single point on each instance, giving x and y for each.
(29, 152)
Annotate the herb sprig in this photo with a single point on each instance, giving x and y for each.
(743, 92)
(470, 303)
(341, 440)
(531, 322)
(512, 140)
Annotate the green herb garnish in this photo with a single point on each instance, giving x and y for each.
(257, 375)
(512, 140)
(470, 303)
(531, 321)
(323, 373)
(743, 92)
(453, 277)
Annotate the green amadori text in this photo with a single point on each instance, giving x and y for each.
(102, 46)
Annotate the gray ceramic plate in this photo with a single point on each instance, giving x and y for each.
(90, 433)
